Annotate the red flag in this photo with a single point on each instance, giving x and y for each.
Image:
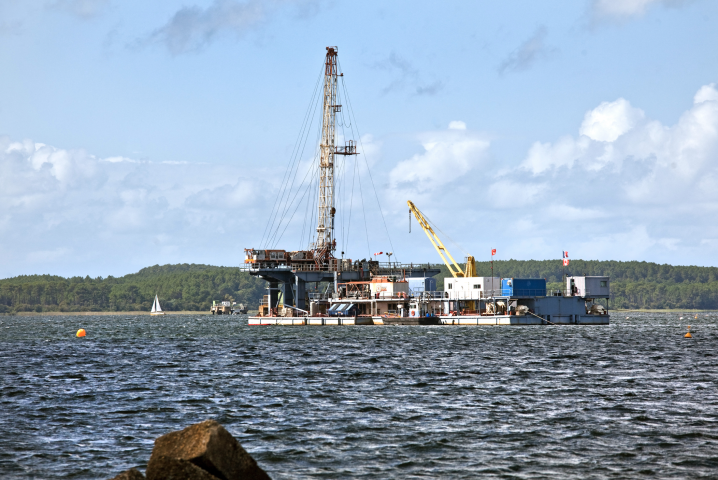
(565, 262)
(565, 254)
(493, 252)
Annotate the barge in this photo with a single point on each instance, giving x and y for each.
(387, 300)
(314, 286)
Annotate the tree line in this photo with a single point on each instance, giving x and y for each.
(194, 287)
(179, 287)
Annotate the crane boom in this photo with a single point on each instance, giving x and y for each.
(439, 246)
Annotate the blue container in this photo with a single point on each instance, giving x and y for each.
(523, 287)
(423, 284)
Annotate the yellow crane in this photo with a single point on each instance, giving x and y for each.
(454, 268)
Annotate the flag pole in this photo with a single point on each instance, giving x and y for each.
(564, 254)
(493, 251)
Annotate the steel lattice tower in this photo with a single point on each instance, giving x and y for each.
(325, 223)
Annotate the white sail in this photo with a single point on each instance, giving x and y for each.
(154, 305)
(157, 301)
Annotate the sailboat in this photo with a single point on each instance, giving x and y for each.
(156, 309)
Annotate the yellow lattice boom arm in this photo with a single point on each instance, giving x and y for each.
(438, 245)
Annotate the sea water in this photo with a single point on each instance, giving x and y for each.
(631, 399)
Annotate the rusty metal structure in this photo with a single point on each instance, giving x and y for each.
(294, 269)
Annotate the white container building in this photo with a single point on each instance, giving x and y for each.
(471, 288)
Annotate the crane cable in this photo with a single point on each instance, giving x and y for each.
(433, 225)
(288, 205)
(352, 118)
(303, 134)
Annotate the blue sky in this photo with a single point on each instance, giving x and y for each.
(137, 133)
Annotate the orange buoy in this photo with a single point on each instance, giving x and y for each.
(81, 332)
(688, 335)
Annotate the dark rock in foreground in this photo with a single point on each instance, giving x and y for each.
(210, 447)
(203, 451)
(131, 474)
(176, 469)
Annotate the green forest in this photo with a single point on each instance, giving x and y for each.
(180, 287)
(193, 287)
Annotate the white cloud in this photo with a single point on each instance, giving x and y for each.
(707, 93)
(633, 243)
(240, 195)
(66, 211)
(120, 159)
(623, 187)
(610, 120)
(626, 186)
(624, 9)
(615, 132)
(521, 194)
(448, 155)
(564, 152)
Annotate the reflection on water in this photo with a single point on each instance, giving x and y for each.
(622, 400)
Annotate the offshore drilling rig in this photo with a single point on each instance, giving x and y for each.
(290, 271)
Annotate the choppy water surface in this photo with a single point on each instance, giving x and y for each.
(630, 399)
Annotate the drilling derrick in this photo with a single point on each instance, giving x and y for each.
(326, 161)
(293, 269)
(326, 244)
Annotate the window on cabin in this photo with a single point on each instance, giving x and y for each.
(604, 283)
(451, 285)
(477, 286)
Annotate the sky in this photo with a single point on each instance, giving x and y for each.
(141, 133)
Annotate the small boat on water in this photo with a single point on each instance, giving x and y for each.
(156, 309)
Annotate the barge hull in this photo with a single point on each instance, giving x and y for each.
(480, 321)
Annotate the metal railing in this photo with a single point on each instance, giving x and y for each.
(319, 296)
(399, 296)
(472, 294)
(430, 295)
(381, 268)
(566, 292)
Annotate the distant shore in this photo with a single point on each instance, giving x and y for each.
(663, 310)
(44, 314)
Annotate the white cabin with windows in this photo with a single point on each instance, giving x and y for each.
(471, 288)
(588, 287)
